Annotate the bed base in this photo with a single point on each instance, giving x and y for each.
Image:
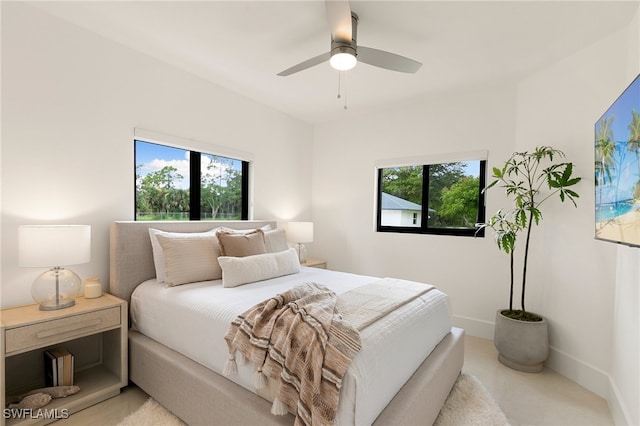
(200, 396)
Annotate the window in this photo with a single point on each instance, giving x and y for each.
(179, 184)
(445, 198)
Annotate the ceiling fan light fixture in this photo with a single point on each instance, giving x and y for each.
(342, 60)
(344, 46)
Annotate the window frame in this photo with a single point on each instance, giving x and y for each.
(195, 180)
(424, 227)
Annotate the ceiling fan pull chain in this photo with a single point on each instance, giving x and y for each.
(342, 87)
(345, 90)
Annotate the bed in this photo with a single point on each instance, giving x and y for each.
(182, 371)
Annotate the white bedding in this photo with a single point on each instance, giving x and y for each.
(192, 319)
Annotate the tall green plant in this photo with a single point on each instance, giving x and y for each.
(506, 230)
(523, 177)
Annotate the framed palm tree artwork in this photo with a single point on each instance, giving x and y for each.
(617, 169)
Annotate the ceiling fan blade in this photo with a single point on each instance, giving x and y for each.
(306, 64)
(339, 17)
(387, 60)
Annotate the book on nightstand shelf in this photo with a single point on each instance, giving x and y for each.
(58, 367)
(50, 369)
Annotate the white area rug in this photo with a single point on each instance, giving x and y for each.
(151, 414)
(468, 404)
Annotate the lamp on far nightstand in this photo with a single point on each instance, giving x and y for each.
(52, 246)
(299, 233)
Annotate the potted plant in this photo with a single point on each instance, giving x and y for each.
(521, 337)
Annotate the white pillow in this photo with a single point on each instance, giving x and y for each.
(188, 260)
(243, 270)
(158, 255)
(275, 241)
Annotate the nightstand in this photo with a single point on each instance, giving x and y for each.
(93, 330)
(315, 263)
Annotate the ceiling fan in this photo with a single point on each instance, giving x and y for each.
(345, 52)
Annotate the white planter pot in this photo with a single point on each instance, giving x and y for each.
(522, 345)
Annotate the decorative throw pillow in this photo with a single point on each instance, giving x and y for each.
(240, 245)
(265, 228)
(244, 270)
(158, 254)
(188, 260)
(275, 241)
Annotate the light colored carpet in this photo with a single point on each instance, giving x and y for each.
(468, 404)
(151, 414)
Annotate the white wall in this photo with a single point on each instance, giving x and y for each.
(343, 203)
(624, 392)
(70, 102)
(574, 280)
(590, 292)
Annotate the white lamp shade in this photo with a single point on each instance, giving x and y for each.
(300, 232)
(53, 245)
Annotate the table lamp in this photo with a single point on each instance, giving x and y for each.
(299, 233)
(53, 246)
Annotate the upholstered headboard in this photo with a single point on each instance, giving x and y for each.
(131, 256)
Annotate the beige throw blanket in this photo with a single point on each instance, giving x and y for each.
(364, 305)
(300, 339)
(287, 337)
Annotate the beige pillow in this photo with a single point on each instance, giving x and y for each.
(240, 245)
(244, 270)
(265, 228)
(275, 241)
(158, 254)
(188, 260)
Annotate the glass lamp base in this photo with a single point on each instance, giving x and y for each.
(52, 305)
(302, 252)
(56, 289)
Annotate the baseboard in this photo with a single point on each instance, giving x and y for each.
(584, 374)
(475, 327)
(619, 411)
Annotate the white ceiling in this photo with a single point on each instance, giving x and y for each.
(242, 45)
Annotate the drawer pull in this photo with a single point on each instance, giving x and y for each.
(68, 328)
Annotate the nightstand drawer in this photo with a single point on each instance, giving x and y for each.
(50, 332)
